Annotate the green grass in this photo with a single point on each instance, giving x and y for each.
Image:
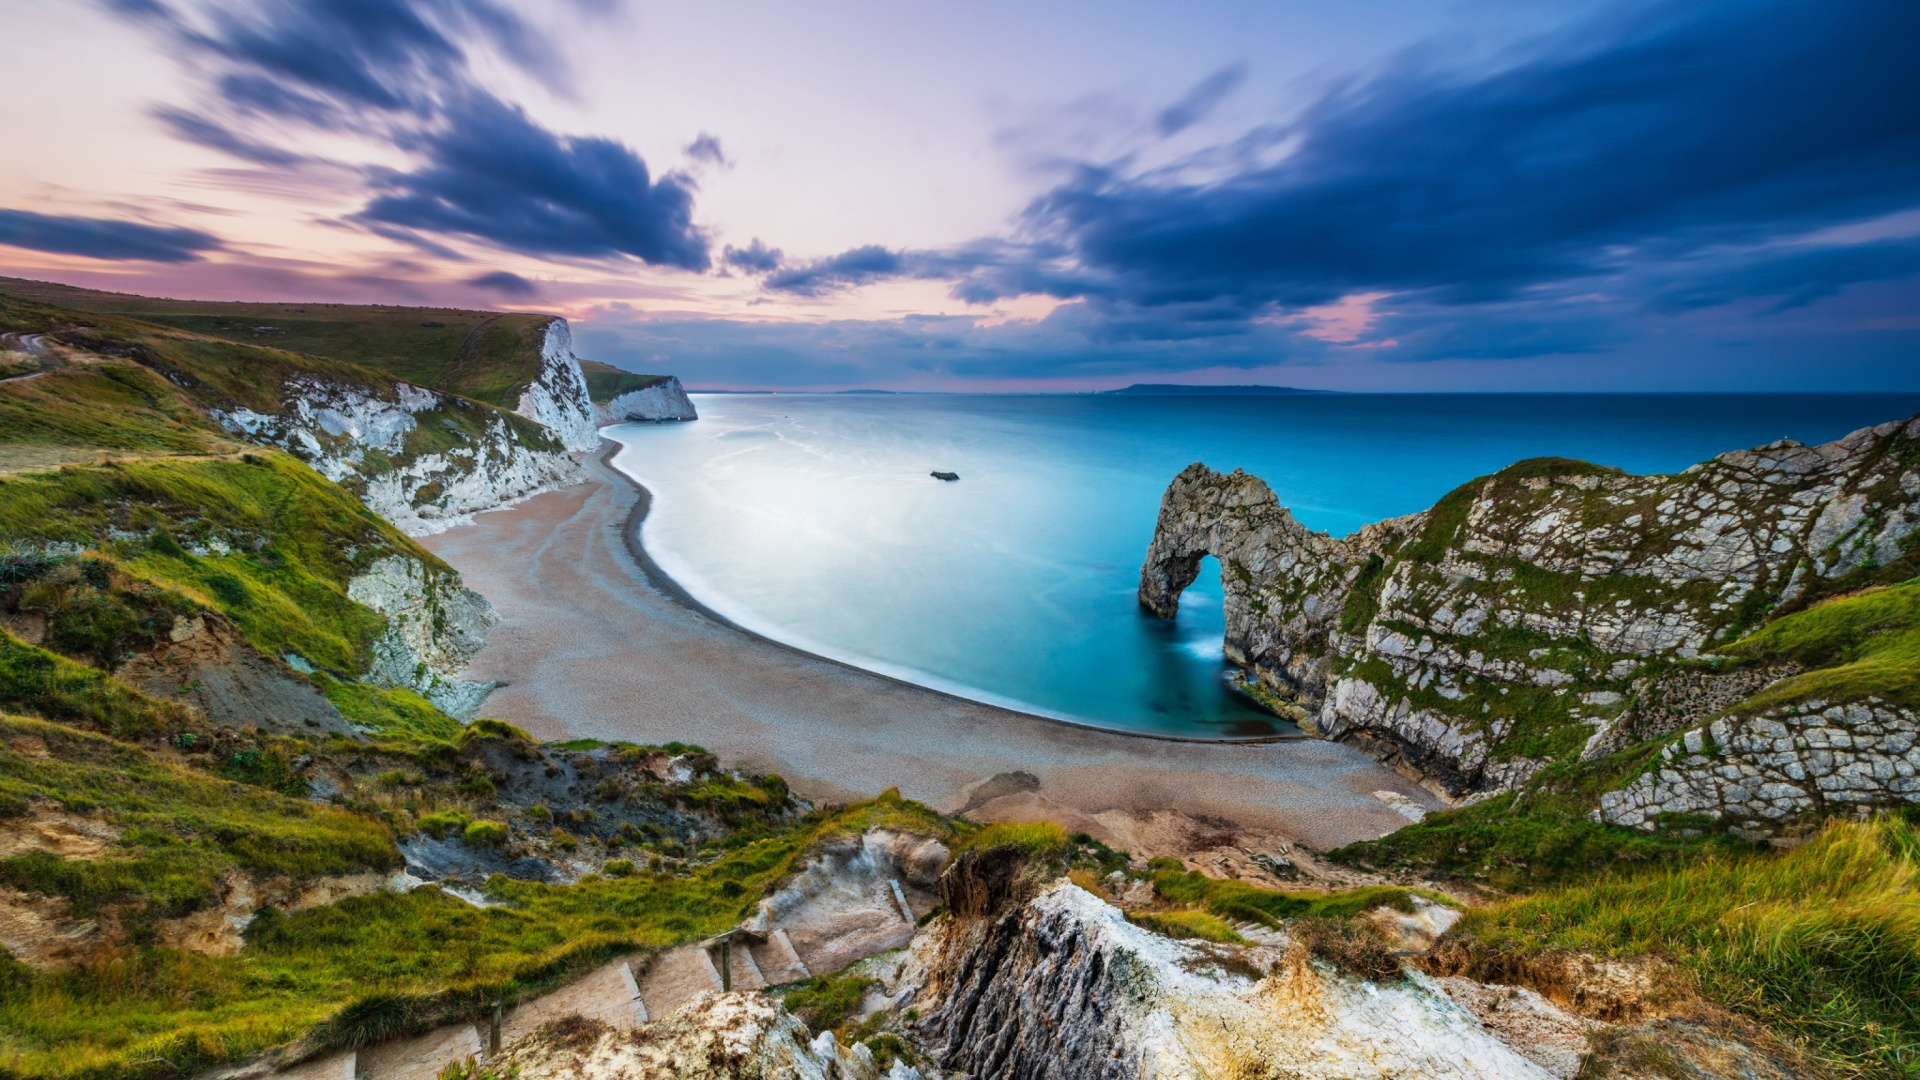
(1042, 839)
(1241, 902)
(395, 713)
(483, 355)
(36, 681)
(1533, 841)
(1187, 924)
(828, 1002)
(181, 829)
(297, 540)
(1860, 646)
(375, 965)
(1822, 943)
(116, 405)
(606, 382)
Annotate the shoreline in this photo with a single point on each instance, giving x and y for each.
(673, 590)
(591, 646)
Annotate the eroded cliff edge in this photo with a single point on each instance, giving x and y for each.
(1559, 611)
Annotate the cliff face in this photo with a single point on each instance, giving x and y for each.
(1064, 986)
(434, 626)
(557, 398)
(664, 400)
(423, 460)
(1553, 610)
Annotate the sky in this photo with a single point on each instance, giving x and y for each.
(1388, 195)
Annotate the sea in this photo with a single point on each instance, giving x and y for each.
(813, 519)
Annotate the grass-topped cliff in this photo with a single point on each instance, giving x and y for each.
(483, 355)
(606, 382)
(487, 356)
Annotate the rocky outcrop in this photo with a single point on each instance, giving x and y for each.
(1526, 612)
(1793, 762)
(1065, 986)
(716, 1036)
(665, 399)
(557, 397)
(434, 626)
(423, 460)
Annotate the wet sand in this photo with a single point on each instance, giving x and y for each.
(590, 647)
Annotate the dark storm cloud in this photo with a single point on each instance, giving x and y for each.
(1792, 278)
(504, 282)
(493, 174)
(1636, 142)
(102, 238)
(398, 71)
(1724, 123)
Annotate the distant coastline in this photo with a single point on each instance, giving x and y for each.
(1190, 390)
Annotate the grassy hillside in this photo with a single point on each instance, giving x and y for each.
(1822, 943)
(483, 355)
(606, 382)
(366, 967)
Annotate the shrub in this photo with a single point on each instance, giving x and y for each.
(484, 833)
(1042, 839)
(564, 840)
(618, 868)
(441, 822)
(1350, 945)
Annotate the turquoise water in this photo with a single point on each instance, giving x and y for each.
(811, 518)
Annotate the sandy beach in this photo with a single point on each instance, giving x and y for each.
(589, 646)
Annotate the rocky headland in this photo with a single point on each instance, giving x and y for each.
(1561, 612)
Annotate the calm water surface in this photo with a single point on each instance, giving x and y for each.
(811, 518)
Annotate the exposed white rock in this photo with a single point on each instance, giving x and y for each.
(357, 435)
(1068, 979)
(664, 400)
(557, 398)
(434, 626)
(1755, 772)
(716, 1036)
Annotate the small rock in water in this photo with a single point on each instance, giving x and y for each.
(949, 476)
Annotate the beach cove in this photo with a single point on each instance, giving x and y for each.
(589, 647)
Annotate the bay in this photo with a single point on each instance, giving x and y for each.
(812, 518)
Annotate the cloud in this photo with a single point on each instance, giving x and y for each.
(493, 174)
(1792, 277)
(1612, 156)
(858, 266)
(1194, 106)
(506, 283)
(1724, 123)
(398, 72)
(706, 149)
(755, 258)
(102, 238)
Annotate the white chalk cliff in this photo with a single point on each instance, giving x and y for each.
(424, 460)
(664, 400)
(557, 398)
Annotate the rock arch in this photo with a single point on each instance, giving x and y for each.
(1283, 582)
